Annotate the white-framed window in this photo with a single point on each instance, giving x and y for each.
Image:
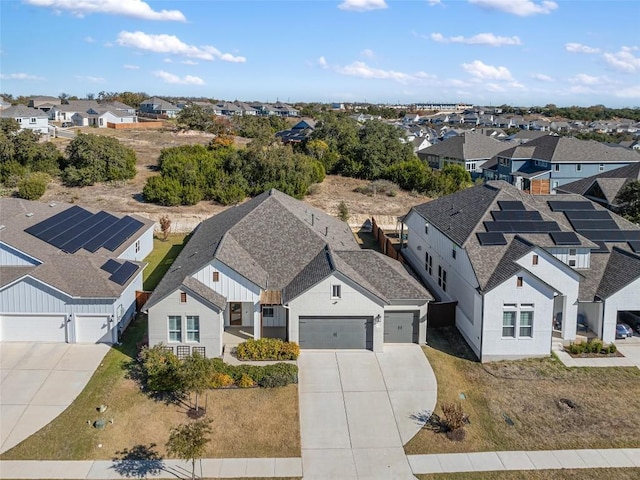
(509, 323)
(32, 120)
(267, 311)
(453, 252)
(572, 263)
(183, 297)
(193, 328)
(137, 246)
(519, 282)
(578, 167)
(428, 263)
(601, 167)
(572, 252)
(175, 328)
(442, 278)
(336, 291)
(426, 229)
(534, 260)
(215, 277)
(526, 323)
(556, 167)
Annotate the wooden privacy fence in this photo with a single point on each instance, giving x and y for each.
(384, 242)
(135, 125)
(141, 299)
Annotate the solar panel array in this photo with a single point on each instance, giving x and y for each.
(564, 205)
(491, 238)
(120, 272)
(76, 228)
(522, 227)
(564, 238)
(513, 218)
(635, 246)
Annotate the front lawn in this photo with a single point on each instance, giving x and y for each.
(253, 422)
(601, 411)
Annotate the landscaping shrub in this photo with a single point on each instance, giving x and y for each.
(275, 375)
(454, 416)
(613, 348)
(596, 346)
(161, 370)
(33, 186)
(267, 349)
(221, 380)
(245, 381)
(279, 375)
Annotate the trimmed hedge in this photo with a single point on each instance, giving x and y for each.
(267, 349)
(275, 375)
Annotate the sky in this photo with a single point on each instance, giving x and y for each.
(485, 52)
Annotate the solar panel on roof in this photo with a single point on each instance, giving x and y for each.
(605, 235)
(635, 246)
(564, 238)
(521, 215)
(63, 226)
(491, 238)
(130, 228)
(564, 205)
(602, 248)
(522, 227)
(632, 235)
(510, 205)
(77, 229)
(594, 224)
(588, 215)
(114, 225)
(123, 274)
(111, 266)
(40, 227)
(107, 220)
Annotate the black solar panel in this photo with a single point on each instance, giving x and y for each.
(605, 235)
(506, 215)
(123, 274)
(522, 227)
(111, 266)
(118, 239)
(77, 229)
(97, 241)
(594, 224)
(588, 215)
(510, 205)
(491, 238)
(635, 245)
(564, 238)
(65, 225)
(104, 220)
(563, 205)
(602, 248)
(38, 228)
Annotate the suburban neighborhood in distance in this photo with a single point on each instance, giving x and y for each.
(415, 256)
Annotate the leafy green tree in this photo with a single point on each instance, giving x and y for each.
(161, 370)
(413, 174)
(629, 201)
(196, 374)
(343, 211)
(9, 125)
(162, 190)
(189, 441)
(195, 117)
(33, 185)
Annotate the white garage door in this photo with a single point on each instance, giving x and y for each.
(33, 328)
(93, 329)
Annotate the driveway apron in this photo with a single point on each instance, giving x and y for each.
(358, 409)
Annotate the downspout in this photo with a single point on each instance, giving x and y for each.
(482, 328)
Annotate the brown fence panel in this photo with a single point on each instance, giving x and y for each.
(135, 125)
(441, 314)
(141, 299)
(374, 228)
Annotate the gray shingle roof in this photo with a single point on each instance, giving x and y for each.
(467, 146)
(22, 111)
(507, 266)
(628, 173)
(200, 289)
(623, 268)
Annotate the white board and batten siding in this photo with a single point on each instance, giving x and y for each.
(574, 257)
(627, 298)
(354, 301)
(141, 248)
(11, 257)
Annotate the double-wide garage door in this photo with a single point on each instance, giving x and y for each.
(336, 332)
(33, 328)
(401, 327)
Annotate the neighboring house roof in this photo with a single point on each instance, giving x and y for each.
(22, 111)
(280, 243)
(527, 135)
(609, 182)
(622, 269)
(77, 106)
(570, 150)
(462, 215)
(78, 274)
(467, 146)
(159, 104)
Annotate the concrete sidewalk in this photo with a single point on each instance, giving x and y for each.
(521, 460)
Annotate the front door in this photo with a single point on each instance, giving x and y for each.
(235, 313)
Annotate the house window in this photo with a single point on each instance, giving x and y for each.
(336, 291)
(442, 278)
(137, 246)
(267, 311)
(32, 120)
(572, 263)
(509, 324)
(193, 328)
(175, 328)
(572, 251)
(183, 297)
(556, 167)
(526, 323)
(215, 277)
(601, 167)
(428, 263)
(578, 167)
(534, 260)
(519, 282)
(426, 229)
(453, 252)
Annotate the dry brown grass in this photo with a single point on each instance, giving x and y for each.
(528, 392)
(574, 474)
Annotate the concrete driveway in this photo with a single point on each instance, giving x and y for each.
(358, 409)
(630, 348)
(38, 381)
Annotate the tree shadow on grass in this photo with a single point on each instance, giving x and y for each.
(138, 462)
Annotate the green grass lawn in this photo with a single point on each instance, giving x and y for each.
(568, 474)
(161, 258)
(529, 394)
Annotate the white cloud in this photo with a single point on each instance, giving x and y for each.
(323, 62)
(167, 60)
(362, 70)
(189, 62)
(629, 92)
(487, 72)
(126, 8)
(171, 44)
(521, 8)
(584, 79)
(624, 60)
(433, 3)
(131, 67)
(89, 78)
(171, 78)
(19, 76)
(368, 53)
(580, 48)
(89, 39)
(362, 5)
(542, 77)
(479, 39)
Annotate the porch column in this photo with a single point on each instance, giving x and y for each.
(257, 321)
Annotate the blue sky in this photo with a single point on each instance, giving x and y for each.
(519, 52)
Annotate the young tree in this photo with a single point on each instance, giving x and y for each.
(343, 211)
(629, 201)
(165, 227)
(195, 377)
(189, 441)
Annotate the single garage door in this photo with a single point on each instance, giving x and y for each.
(401, 327)
(336, 332)
(33, 328)
(93, 329)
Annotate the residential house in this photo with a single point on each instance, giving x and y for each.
(298, 133)
(548, 162)
(44, 103)
(65, 112)
(28, 118)
(524, 271)
(276, 267)
(285, 110)
(159, 107)
(4, 104)
(470, 149)
(67, 273)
